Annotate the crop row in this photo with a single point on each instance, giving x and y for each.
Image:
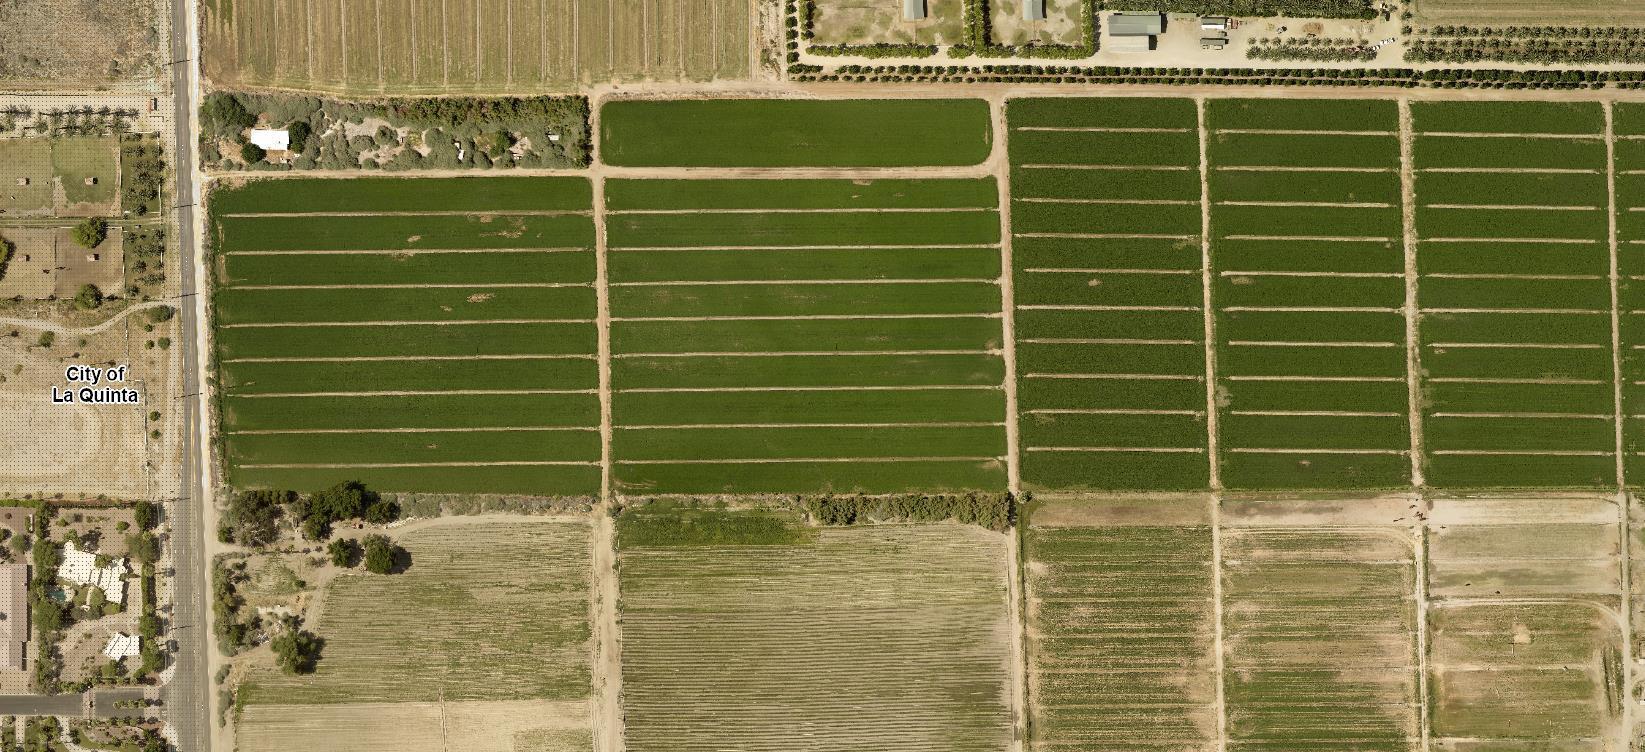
(373, 232)
(1508, 117)
(1144, 319)
(405, 268)
(702, 639)
(1303, 114)
(890, 419)
(778, 193)
(1120, 623)
(490, 194)
(866, 227)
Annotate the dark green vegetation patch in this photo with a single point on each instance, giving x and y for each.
(795, 133)
(1110, 331)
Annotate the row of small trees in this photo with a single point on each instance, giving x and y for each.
(253, 517)
(1360, 77)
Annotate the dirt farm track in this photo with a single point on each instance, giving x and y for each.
(1529, 12)
(457, 46)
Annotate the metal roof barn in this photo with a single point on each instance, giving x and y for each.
(1136, 24)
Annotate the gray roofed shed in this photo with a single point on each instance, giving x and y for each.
(1136, 24)
(913, 10)
(1033, 10)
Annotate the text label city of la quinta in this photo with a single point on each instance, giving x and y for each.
(90, 393)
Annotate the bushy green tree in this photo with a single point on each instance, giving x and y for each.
(89, 298)
(251, 153)
(147, 514)
(344, 552)
(380, 554)
(223, 114)
(297, 651)
(252, 517)
(297, 135)
(91, 232)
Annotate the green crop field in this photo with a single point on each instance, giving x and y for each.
(810, 342)
(1517, 387)
(1630, 265)
(423, 351)
(772, 638)
(1311, 356)
(1497, 341)
(1109, 323)
(1334, 299)
(1120, 626)
(789, 133)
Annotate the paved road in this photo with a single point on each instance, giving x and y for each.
(69, 705)
(187, 695)
(73, 706)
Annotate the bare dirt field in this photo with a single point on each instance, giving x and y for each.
(66, 44)
(864, 22)
(1526, 635)
(87, 449)
(876, 637)
(485, 46)
(1530, 12)
(1060, 26)
(499, 661)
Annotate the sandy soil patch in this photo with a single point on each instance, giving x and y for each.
(496, 726)
(79, 449)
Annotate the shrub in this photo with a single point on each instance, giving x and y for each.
(382, 512)
(251, 153)
(145, 547)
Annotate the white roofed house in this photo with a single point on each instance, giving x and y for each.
(122, 645)
(80, 567)
(269, 139)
